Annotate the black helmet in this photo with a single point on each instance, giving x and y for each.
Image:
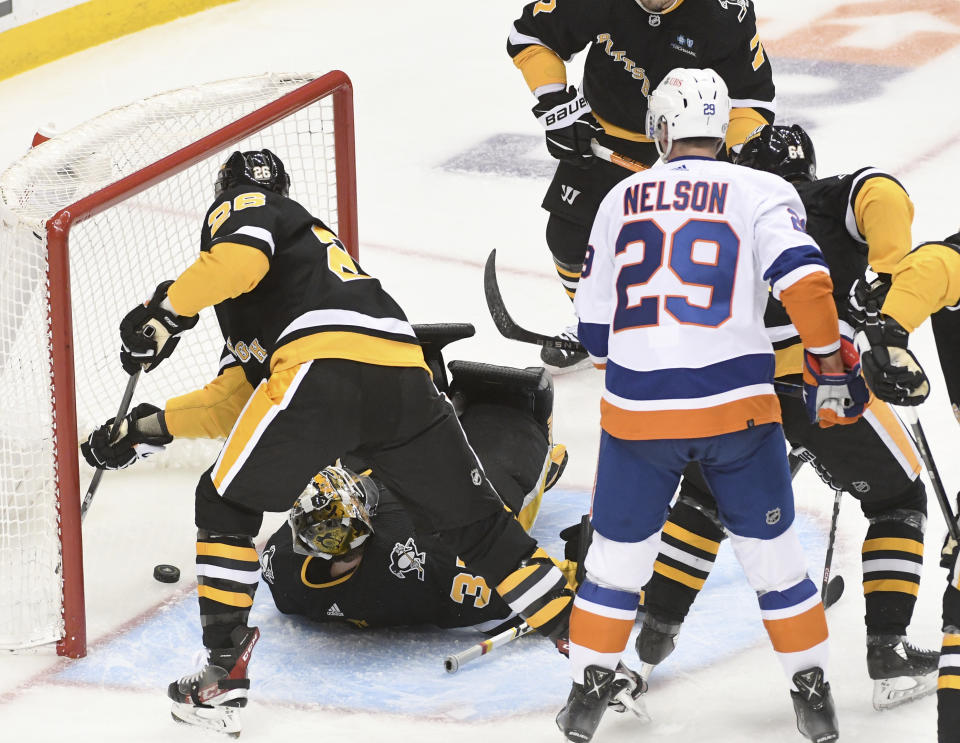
(257, 167)
(784, 150)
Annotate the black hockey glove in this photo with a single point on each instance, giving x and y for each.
(142, 433)
(565, 114)
(948, 553)
(891, 371)
(865, 291)
(150, 332)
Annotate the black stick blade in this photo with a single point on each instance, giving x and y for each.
(505, 324)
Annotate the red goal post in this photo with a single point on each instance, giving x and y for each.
(90, 222)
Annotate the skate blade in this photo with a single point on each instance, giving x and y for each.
(224, 720)
(889, 693)
(624, 701)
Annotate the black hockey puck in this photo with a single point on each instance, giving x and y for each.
(166, 573)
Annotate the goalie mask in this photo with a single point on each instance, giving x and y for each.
(784, 150)
(256, 167)
(688, 103)
(332, 515)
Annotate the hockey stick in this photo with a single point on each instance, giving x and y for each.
(453, 662)
(865, 339)
(913, 420)
(121, 413)
(605, 153)
(831, 589)
(505, 324)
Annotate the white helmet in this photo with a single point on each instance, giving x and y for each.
(689, 103)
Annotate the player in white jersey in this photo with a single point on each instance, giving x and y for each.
(671, 303)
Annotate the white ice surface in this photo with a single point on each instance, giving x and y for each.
(432, 83)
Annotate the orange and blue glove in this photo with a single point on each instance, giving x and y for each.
(834, 399)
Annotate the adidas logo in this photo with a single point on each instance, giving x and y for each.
(334, 611)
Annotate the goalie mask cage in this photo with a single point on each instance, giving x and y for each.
(90, 222)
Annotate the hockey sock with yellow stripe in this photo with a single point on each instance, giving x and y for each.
(538, 591)
(797, 626)
(688, 548)
(569, 274)
(600, 625)
(228, 572)
(948, 687)
(892, 563)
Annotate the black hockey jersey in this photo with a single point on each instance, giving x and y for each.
(314, 301)
(832, 205)
(397, 582)
(631, 50)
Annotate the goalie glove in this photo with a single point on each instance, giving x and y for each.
(892, 372)
(834, 399)
(570, 125)
(142, 432)
(150, 331)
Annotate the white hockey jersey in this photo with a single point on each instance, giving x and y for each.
(673, 291)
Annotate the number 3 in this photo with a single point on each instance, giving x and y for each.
(718, 275)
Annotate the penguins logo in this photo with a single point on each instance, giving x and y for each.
(266, 563)
(406, 559)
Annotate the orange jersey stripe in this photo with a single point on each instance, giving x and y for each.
(597, 633)
(809, 302)
(798, 633)
(732, 416)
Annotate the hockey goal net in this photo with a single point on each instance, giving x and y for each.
(90, 221)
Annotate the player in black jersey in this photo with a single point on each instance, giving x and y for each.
(632, 45)
(320, 362)
(374, 571)
(926, 283)
(857, 219)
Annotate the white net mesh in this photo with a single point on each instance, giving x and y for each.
(116, 259)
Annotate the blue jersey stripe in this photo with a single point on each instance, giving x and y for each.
(611, 597)
(791, 597)
(594, 337)
(683, 384)
(792, 259)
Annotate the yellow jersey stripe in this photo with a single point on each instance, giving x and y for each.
(948, 682)
(898, 544)
(886, 584)
(549, 611)
(541, 66)
(232, 552)
(678, 575)
(348, 345)
(231, 598)
(688, 537)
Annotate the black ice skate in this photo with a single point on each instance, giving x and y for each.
(579, 719)
(900, 671)
(813, 703)
(211, 698)
(560, 361)
(656, 641)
